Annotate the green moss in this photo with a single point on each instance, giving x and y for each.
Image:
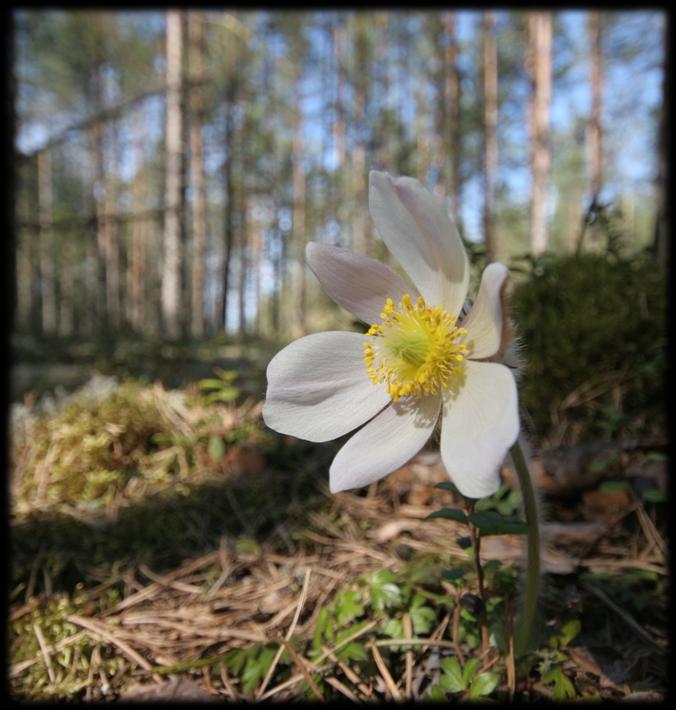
(593, 323)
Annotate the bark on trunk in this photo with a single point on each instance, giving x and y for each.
(490, 157)
(299, 237)
(199, 221)
(171, 267)
(229, 216)
(453, 131)
(47, 250)
(139, 234)
(539, 68)
(243, 260)
(660, 247)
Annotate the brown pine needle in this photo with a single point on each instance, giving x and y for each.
(289, 634)
(384, 672)
(45, 652)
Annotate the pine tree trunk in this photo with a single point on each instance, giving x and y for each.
(26, 277)
(257, 247)
(595, 134)
(172, 257)
(359, 187)
(229, 216)
(199, 214)
(539, 68)
(422, 143)
(136, 302)
(47, 250)
(112, 245)
(299, 196)
(67, 288)
(594, 126)
(490, 147)
(660, 246)
(101, 320)
(454, 128)
(243, 260)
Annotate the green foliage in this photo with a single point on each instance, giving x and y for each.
(220, 388)
(593, 331)
(455, 679)
(70, 665)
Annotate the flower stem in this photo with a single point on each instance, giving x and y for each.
(525, 624)
(475, 535)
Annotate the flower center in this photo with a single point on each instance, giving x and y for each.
(416, 349)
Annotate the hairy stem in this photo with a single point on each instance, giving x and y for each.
(525, 623)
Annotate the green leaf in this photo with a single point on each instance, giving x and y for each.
(422, 618)
(384, 593)
(210, 384)
(469, 670)
(453, 574)
(256, 668)
(569, 631)
(323, 628)
(654, 495)
(452, 679)
(349, 607)
(216, 448)
(491, 522)
(394, 629)
(614, 486)
(435, 694)
(563, 688)
(484, 684)
(449, 514)
(354, 651)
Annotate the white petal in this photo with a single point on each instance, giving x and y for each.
(385, 443)
(357, 283)
(484, 321)
(478, 427)
(318, 387)
(419, 233)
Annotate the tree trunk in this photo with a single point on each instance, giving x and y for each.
(112, 245)
(454, 129)
(361, 233)
(101, 225)
(67, 288)
(47, 250)
(422, 143)
(660, 246)
(243, 259)
(257, 247)
(136, 301)
(26, 278)
(229, 216)
(490, 147)
(199, 213)
(595, 130)
(172, 261)
(539, 68)
(299, 197)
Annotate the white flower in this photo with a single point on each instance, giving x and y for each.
(416, 363)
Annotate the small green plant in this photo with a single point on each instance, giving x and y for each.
(220, 388)
(464, 682)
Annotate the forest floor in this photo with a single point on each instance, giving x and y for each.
(166, 546)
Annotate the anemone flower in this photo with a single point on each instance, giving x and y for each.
(428, 354)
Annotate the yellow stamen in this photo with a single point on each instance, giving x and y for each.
(416, 350)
